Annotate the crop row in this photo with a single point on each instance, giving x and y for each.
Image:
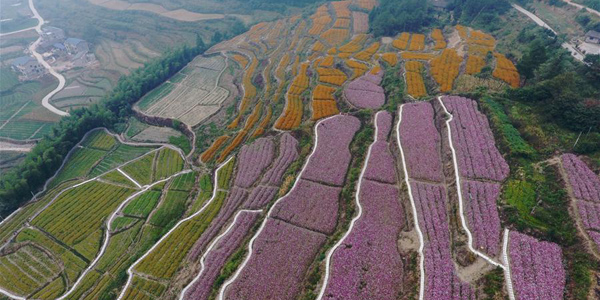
(141, 289)
(421, 142)
(445, 68)
(342, 23)
(260, 129)
(474, 64)
(318, 47)
(79, 164)
(26, 270)
(209, 153)
(100, 140)
(589, 214)
(441, 281)
(168, 163)
(341, 9)
(170, 209)
(381, 165)
(417, 56)
(141, 170)
(584, 182)
(482, 214)
(438, 37)
(280, 259)
(366, 54)
(292, 114)
(165, 259)
(122, 154)
(480, 38)
(463, 32)
(364, 92)
(414, 83)
(184, 182)
(358, 68)
(327, 61)
(331, 76)
(368, 265)
(478, 157)
(401, 42)
(142, 205)
(225, 175)
(79, 212)
(260, 197)
(323, 109)
(288, 152)
(417, 42)
(320, 19)
(117, 178)
(506, 71)
(215, 260)
(330, 160)
(252, 161)
(335, 36)
(536, 268)
(390, 58)
(354, 45)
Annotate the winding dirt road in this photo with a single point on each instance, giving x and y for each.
(40, 59)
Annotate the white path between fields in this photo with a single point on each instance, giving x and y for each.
(574, 52)
(414, 211)
(40, 59)
(17, 31)
(108, 229)
(10, 295)
(129, 177)
(580, 6)
(461, 209)
(214, 195)
(360, 211)
(211, 246)
(262, 226)
(507, 275)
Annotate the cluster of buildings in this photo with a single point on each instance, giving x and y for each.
(62, 52)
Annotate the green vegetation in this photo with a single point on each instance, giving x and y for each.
(393, 85)
(142, 205)
(121, 223)
(169, 210)
(40, 268)
(206, 190)
(79, 165)
(184, 182)
(100, 140)
(141, 169)
(122, 154)
(118, 178)
(182, 142)
(225, 175)
(392, 16)
(168, 163)
(155, 95)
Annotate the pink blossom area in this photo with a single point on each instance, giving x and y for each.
(215, 260)
(584, 183)
(384, 125)
(365, 92)
(589, 213)
(310, 205)
(478, 157)
(368, 265)
(235, 197)
(329, 163)
(482, 214)
(260, 197)
(252, 161)
(374, 78)
(288, 153)
(381, 165)
(441, 281)
(595, 236)
(280, 259)
(421, 142)
(536, 268)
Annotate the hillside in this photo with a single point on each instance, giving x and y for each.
(338, 150)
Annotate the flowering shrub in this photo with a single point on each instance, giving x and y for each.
(478, 157)
(252, 160)
(219, 254)
(421, 142)
(280, 259)
(287, 154)
(384, 125)
(335, 36)
(330, 161)
(381, 165)
(310, 205)
(367, 265)
(441, 281)
(585, 184)
(365, 92)
(536, 268)
(482, 214)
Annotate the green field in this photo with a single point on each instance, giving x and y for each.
(79, 165)
(119, 156)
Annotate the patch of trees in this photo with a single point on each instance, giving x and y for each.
(393, 16)
(18, 185)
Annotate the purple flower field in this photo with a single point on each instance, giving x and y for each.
(219, 254)
(235, 197)
(421, 142)
(365, 92)
(536, 268)
(287, 154)
(368, 265)
(310, 205)
(252, 160)
(482, 214)
(478, 157)
(441, 281)
(590, 214)
(280, 259)
(381, 166)
(585, 184)
(330, 161)
(260, 197)
(595, 237)
(384, 125)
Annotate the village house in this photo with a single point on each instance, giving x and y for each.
(28, 66)
(75, 45)
(50, 36)
(592, 37)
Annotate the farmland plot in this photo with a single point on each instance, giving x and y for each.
(193, 96)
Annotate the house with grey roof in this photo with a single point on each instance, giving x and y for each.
(592, 37)
(75, 45)
(28, 66)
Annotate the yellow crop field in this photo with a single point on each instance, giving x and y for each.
(291, 117)
(341, 23)
(401, 42)
(341, 9)
(506, 71)
(354, 45)
(390, 58)
(418, 56)
(438, 37)
(208, 155)
(327, 61)
(463, 32)
(335, 36)
(241, 60)
(413, 66)
(358, 69)
(415, 85)
(323, 102)
(318, 47)
(445, 68)
(474, 64)
(332, 76)
(417, 43)
(366, 54)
